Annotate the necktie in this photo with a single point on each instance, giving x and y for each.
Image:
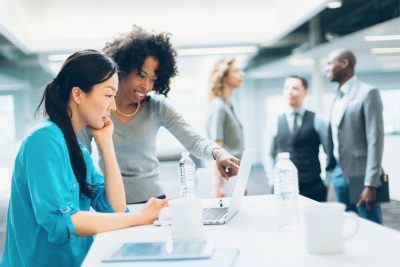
(295, 124)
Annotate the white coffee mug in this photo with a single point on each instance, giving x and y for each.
(186, 216)
(325, 227)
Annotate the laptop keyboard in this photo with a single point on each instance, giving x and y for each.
(214, 213)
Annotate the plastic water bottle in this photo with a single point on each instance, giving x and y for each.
(286, 190)
(187, 176)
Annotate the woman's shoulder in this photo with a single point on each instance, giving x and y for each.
(217, 104)
(45, 128)
(44, 132)
(159, 104)
(157, 99)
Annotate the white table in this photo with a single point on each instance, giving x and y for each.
(261, 243)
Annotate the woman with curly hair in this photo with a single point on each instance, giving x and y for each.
(223, 126)
(147, 63)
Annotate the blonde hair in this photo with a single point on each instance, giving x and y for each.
(218, 74)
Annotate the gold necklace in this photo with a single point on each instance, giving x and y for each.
(129, 115)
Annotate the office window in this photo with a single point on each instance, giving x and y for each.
(391, 111)
(274, 106)
(7, 140)
(7, 129)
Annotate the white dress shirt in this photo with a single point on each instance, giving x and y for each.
(339, 107)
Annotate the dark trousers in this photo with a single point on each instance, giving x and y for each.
(315, 190)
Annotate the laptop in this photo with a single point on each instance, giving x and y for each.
(222, 215)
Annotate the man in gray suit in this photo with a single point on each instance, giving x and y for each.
(355, 138)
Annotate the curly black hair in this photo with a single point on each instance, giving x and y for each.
(131, 49)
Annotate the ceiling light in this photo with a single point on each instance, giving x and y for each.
(301, 61)
(388, 58)
(374, 38)
(334, 4)
(266, 75)
(385, 50)
(59, 57)
(390, 65)
(217, 50)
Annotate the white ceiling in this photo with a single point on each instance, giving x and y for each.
(367, 61)
(47, 26)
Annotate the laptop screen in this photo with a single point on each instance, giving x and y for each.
(243, 176)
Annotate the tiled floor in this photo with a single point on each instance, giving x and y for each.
(256, 186)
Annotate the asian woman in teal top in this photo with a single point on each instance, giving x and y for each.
(54, 181)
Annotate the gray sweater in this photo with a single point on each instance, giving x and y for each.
(135, 146)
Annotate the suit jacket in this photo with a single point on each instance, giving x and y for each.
(360, 136)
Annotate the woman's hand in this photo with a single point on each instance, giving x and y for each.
(227, 164)
(151, 209)
(103, 135)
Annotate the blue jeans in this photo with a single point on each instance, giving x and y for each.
(341, 188)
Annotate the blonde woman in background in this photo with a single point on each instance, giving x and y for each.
(223, 125)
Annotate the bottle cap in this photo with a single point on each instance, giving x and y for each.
(185, 154)
(284, 155)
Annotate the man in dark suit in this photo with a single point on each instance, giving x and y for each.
(355, 137)
(299, 132)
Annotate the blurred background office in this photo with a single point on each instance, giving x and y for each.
(270, 40)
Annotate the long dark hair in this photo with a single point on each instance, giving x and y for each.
(83, 69)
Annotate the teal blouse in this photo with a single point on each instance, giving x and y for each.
(44, 195)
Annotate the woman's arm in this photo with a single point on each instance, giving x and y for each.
(194, 142)
(218, 184)
(88, 223)
(113, 183)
